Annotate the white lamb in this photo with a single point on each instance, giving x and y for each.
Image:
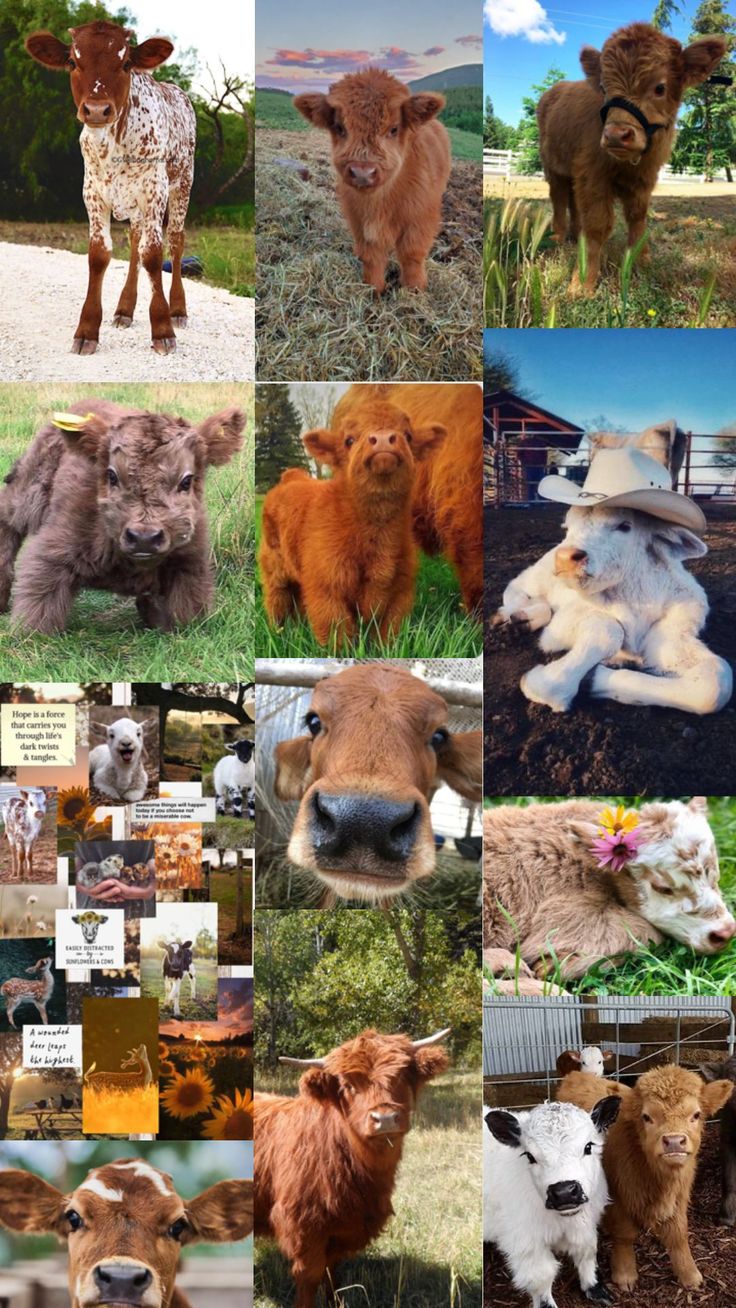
(544, 1192)
(116, 768)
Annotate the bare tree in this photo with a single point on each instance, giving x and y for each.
(234, 96)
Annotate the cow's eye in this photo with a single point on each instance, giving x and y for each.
(624, 526)
(660, 88)
(408, 437)
(178, 1228)
(393, 131)
(73, 1218)
(645, 1117)
(531, 1157)
(663, 890)
(588, 1148)
(697, 1116)
(439, 738)
(339, 130)
(313, 723)
(186, 482)
(70, 63)
(349, 440)
(112, 477)
(127, 65)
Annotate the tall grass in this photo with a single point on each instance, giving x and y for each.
(120, 1112)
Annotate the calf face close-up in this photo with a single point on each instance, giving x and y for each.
(125, 1226)
(112, 498)
(377, 750)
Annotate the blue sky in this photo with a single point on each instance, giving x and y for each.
(633, 377)
(302, 47)
(523, 39)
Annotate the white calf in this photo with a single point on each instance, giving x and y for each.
(544, 1192)
(116, 768)
(23, 818)
(615, 591)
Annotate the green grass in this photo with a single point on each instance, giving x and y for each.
(104, 640)
(201, 1009)
(526, 276)
(430, 1255)
(669, 968)
(452, 886)
(224, 893)
(465, 145)
(436, 628)
(227, 250)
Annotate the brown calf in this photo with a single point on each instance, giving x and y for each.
(649, 1158)
(377, 750)
(393, 161)
(447, 501)
(125, 1226)
(117, 503)
(342, 549)
(635, 84)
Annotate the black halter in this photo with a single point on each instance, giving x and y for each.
(618, 102)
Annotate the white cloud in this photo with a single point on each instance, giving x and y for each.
(525, 18)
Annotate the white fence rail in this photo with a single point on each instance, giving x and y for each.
(504, 163)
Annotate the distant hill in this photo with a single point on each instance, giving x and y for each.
(463, 75)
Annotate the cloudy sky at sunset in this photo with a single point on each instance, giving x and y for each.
(302, 48)
(234, 1014)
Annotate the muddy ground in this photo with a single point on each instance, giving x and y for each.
(713, 1248)
(600, 747)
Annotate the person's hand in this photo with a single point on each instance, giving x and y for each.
(146, 891)
(109, 891)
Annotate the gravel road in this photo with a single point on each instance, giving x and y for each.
(41, 296)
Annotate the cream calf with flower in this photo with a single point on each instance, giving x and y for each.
(582, 883)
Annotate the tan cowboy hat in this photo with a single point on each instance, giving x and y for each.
(626, 478)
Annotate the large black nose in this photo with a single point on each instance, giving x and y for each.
(144, 539)
(343, 824)
(122, 1282)
(565, 1194)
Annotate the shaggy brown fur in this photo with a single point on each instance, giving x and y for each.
(589, 166)
(118, 505)
(649, 1158)
(323, 1174)
(447, 501)
(393, 162)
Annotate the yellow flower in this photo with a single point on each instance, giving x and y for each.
(196, 1055)
(166, 1067)
(652, 313)
(620, 820)
(232, 1118)
(75, 809)
(189, 1094)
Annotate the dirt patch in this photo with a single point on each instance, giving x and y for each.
(713, 1248)
(600, 747)
(317, 321)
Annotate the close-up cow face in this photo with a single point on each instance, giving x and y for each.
(378, 748)
(150, 476)
(369, 116)
(374, 1081)
(669, 1107)
(375, 446)
(650, 70)
(100, 60)
(125, 1226)
(602, 546)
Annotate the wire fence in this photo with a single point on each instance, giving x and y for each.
(704, 465)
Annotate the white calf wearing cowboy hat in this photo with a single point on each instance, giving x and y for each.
(615, 593)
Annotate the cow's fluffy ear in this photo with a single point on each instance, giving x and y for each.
(701, 57)
(321, 445)
(320, 1084)
(421, 108)
(605, 1112)
(460, 764)
(89, 441)
(569, 1061)
(504, 1127)
(699, 804)
(678, 542)
(316, 109)
(151, 53)
(430, 1062)
(27, 1203)
(222, 1213)
(590, 62)
(711, 1071)
(293, 767)
(427, 440)
(715, 1094)
(581, 830)
(609, 1058)
(47, 49)
(222, 435)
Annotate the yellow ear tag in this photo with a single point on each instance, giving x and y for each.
(71, 421)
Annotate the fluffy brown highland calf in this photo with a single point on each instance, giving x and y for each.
(649, 1158)
(392, 160)
(117, 504)
(635, 84)
(544, 890)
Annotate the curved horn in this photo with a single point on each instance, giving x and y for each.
(431, 1040)
(304, 1062)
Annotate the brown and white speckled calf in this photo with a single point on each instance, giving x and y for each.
(138, 147)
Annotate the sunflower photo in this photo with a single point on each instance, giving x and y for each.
(206, 1070)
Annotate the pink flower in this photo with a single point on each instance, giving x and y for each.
(616, 849)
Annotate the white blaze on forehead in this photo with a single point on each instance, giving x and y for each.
(98, 1187)
(76, 52)
(121, 52)
(146, 1172)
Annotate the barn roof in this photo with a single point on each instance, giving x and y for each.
(513, 409)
